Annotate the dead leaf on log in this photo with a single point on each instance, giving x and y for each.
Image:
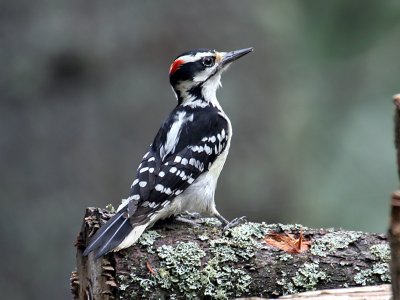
(287, 242)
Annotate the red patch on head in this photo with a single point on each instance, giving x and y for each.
(175, 66)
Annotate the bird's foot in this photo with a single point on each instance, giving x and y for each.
(193, 215)
(235, 222)
(191, 218)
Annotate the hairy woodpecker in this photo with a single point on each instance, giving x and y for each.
(179, 173)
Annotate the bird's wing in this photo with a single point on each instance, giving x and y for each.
(184, 148)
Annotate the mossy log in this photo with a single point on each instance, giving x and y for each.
(175, 261)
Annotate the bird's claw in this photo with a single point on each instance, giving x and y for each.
(235, 222)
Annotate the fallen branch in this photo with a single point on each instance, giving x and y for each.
(175, 261)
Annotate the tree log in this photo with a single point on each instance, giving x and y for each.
(175, 261)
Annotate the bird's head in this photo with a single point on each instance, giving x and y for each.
(197, 73)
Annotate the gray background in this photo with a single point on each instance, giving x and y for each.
(84, 87)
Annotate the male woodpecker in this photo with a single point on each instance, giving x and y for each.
(180, 171)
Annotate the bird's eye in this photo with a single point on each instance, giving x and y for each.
(208, 61)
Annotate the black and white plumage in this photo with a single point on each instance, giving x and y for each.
(180, 171)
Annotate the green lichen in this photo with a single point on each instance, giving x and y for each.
(289, 227)
(332, 241)
(246, 231)
(188, 270)
(211, 222)
(126, 281)
(183, 271)
(182, 263)
(306, 279)
(365, 277)
(380, 268)
(222, 251)
(285, 257)
(148, 238)
(242, 240)
(381, 252)
(287, 284)
(308, 276)
(223, 281)
(110, 208)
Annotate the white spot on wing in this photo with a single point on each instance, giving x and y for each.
(159, 187)
(134, 197)
(161, 174)
(142, 183)
(143, 169)
(135, 182)
(207, 149)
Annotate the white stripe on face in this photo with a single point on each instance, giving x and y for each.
(191, 58)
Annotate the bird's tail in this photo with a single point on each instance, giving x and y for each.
(118, 233)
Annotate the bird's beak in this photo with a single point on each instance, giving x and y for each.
(228, 57)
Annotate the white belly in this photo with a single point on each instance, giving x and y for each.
(199, 196)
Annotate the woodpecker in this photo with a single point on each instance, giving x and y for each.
(179, 173)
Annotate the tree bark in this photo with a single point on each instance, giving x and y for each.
(394, 230)
(175, 261)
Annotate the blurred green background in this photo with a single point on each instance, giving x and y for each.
(84, 87)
